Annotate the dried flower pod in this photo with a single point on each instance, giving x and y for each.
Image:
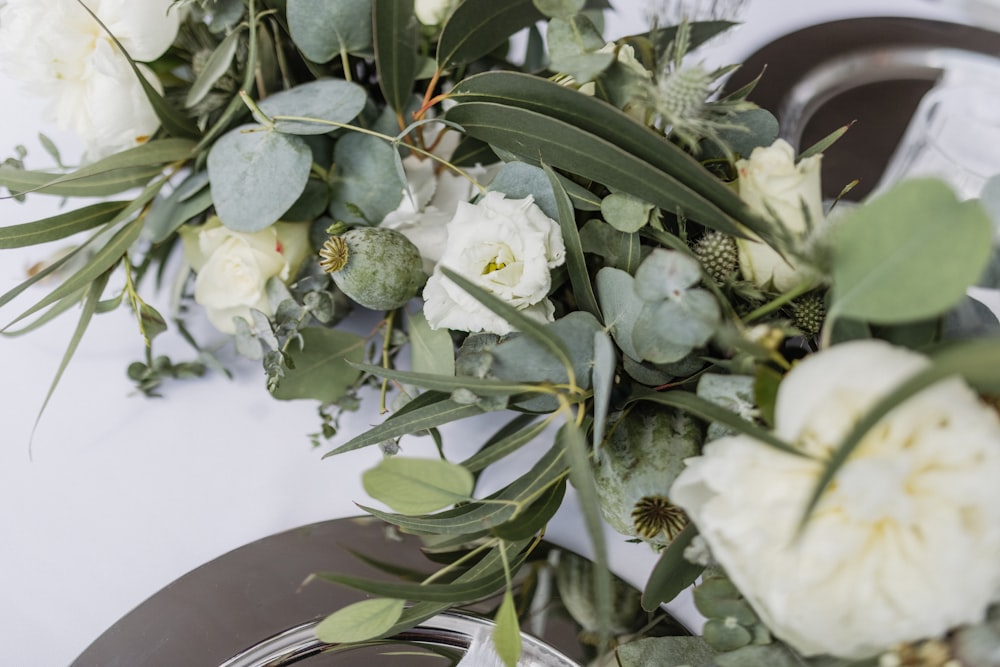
(377, 268)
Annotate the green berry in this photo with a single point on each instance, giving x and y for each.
(718, 254)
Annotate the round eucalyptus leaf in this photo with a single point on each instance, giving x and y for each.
(559, 8)
(668, 330)
(323, 29)
(256, 175)
(366, 185)
(666, 274)
(518, 180)
(333, 100)
(620, 306)
(625, 213)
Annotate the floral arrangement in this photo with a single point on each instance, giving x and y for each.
(793, 400)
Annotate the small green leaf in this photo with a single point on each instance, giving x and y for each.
(672, 573)
(322, 368)
(360, 621)
(605, 370)
(518, 180)
(909, 254)
(417, 486)
(256, 175)
(560, 8)
(625, 213)
(324, 30)
(333, 100)
(167, 214)
(507, 632)
(621, 306)
(214, 69)
(573, 45)
(366, 185)
(431, 350)
(529, 522)
(576, 263)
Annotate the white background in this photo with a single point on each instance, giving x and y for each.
(119, 494)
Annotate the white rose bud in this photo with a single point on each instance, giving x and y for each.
(775, 186)
(904, 544)
(233, 267)
(433, 12)
(62, 53)
(507, 247)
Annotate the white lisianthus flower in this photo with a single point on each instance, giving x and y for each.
(776, 187)
(60, 52)
(431, 198)
(506, 246)
(233, 267)
(905, 543)
(433, 12)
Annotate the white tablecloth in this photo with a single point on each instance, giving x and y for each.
(120, 494)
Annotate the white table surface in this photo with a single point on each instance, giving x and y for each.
(120, 495)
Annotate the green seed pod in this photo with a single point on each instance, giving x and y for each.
(636, 467)
(377, 268)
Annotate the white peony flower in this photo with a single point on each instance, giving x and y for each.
(233, 267)
(59, 51)
(775, 186)
(431, 198)
(433, 12)
(506, 246)
(904, 545)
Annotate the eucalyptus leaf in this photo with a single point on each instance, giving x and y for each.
(625, 213)
(366, 186)
(672, 573)
(417, 486)
(507, 631)
(332, 100)
(59, 226)
(477, 27)
(518, 180)
(519, 432)
(534, 519)
(167, 214)
(431, 350)
(691, 651)
(322, 368)
(360, 621)
(754, 128)
(576, 263)
(214, 69)
(669, 330)
(256, 174)
(395, 37)
(323, 30)
(605, 368)
(573, 48)
(621, 306)
(909, 254)
(560, 8)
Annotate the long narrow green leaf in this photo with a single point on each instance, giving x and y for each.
(576, 265)
(102, 260)
(534, 330)
(535, 518)
(44, 273)
(513, 552)
(537, 136)
(976, 360)
(52, 313)
(595, 117)
(514, 435)
(478, 26)
(447, 383)
(174, 122)
(414, 421)
(605, 368)
(59, 226)
(582, 477)
(709, 411)
(216, 66)
(89, 307)
(395, 35)
(672, 573)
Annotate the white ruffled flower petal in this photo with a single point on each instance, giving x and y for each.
(905, 545)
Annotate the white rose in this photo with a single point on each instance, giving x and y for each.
(59, 51)
(433, 12)
(773, 185)
(904, 545)
(506, 246)
(431, 198)
(233, 267)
